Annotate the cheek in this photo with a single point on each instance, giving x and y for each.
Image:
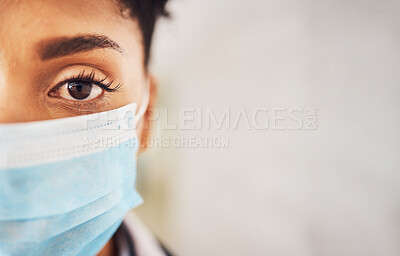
(19, 105)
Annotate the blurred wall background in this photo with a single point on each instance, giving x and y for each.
(332, 190)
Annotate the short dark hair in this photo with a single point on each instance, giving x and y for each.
(147, 13)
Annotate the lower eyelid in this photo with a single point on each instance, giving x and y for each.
(75, 108)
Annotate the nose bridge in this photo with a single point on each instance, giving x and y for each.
(12, 109)
(3, 91)
(19, 101)
(2, 78)
(2, 67)
(15, 103)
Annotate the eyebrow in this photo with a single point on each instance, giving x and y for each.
(64, 46)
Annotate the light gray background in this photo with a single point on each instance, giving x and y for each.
(330, 191)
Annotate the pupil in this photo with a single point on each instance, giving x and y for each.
(79, 90)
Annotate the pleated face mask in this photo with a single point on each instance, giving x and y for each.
(66, 184)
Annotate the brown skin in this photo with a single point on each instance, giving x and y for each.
(30, 86)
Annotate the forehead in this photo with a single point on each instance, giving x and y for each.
(23, 23)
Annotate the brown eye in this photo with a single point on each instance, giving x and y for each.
(79, 90)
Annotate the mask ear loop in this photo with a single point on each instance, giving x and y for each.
(144, 104)
(145, 101)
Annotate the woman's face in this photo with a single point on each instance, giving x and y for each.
(66, 58)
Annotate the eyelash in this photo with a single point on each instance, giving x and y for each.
(90, 78)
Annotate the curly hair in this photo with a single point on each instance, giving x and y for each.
(146, 12)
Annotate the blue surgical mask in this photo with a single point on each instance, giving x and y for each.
(66, 184)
